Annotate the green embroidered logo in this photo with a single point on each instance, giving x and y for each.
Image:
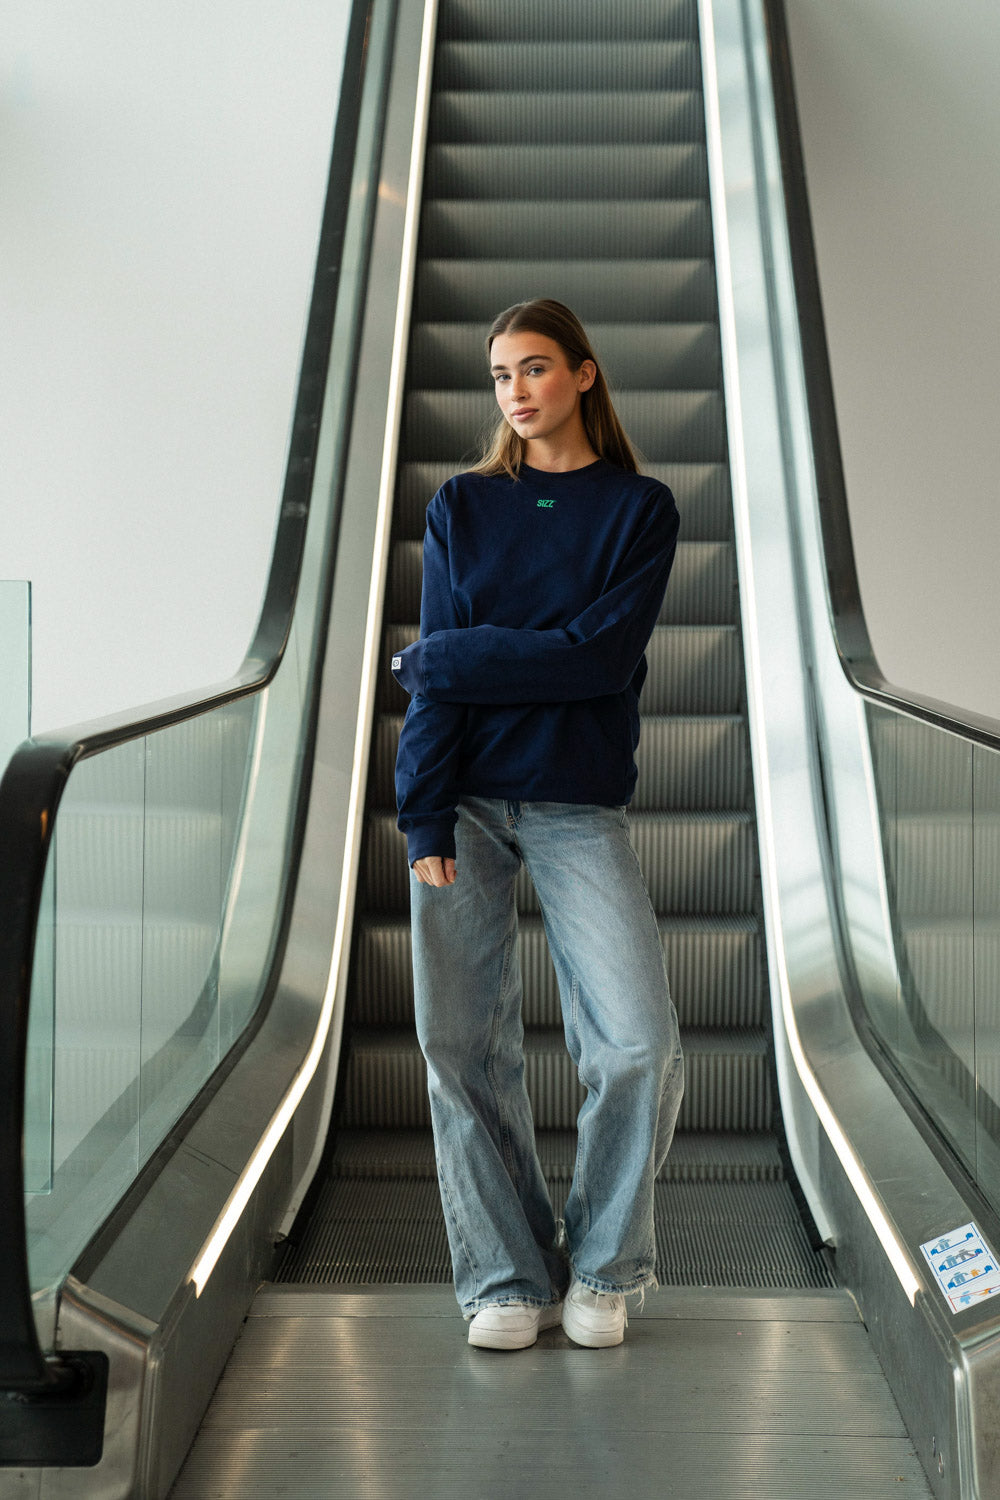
(546, 504)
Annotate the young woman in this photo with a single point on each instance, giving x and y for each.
(544, 573)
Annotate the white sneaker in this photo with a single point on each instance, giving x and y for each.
(595, 1319)
(511, 1325)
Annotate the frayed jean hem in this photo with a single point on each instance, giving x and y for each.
(644, 1283)
(513, 1300)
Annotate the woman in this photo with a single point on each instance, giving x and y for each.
(544, 573)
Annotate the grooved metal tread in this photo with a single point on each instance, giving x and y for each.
(702, 1156)
(663, 291)
(450, 356)
(700, 489)
(702, 587)
(686, 762)
(385, 1229)
(688, 425)
(469, 116)
(693, 669)
(618, 229)
(692, 861)
(566, 172)
(736, 1041)
(585, 20)
(727, 1082)
(714, 964)
(525, 67)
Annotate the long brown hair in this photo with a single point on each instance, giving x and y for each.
(503, 451)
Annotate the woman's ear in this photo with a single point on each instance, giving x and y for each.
(586, 375)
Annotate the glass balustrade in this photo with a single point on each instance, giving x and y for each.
(939, 811)
(168, 872)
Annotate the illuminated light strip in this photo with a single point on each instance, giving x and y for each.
(248, 1179)
(858, 1178)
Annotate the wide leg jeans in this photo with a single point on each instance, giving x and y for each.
(621, 1031)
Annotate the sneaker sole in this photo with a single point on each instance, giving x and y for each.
(499, 1338)
(591, 1338)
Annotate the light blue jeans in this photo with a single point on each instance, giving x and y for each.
(621, 1031)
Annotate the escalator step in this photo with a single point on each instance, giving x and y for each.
(599, 291)
(684, 763)
(586, 20)
(692, 861)
(652, 356)
(565, 172)
(745, 1234)
(727, 1082)
(665, 425)
(618, 118)
(714, 965)
(693, 669)
(698, 1156)
(702, 584)
(605, 230)
(701, 492)
(528, 67)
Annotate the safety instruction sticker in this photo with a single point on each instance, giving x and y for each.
(964, 1267)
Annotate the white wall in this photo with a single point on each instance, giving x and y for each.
(899, 102)
(162, 176)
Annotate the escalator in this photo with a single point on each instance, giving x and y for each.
(274, 1127)
(566, 158)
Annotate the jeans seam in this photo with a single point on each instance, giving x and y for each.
(446, 1192)
(579, 1179)
(503, 1119)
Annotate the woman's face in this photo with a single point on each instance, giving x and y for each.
(536, 390)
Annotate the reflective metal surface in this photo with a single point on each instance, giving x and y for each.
(377, 1393)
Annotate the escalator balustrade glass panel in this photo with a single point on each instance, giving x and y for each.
(939, 812)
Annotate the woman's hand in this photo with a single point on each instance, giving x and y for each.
(433, 870)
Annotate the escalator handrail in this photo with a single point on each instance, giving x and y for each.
(32, 786)
(850, 628)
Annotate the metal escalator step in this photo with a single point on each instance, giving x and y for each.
(590, 20)
(566, 172)
(693, 669)
(701, 492)
(733, 1234)
(702, 587)
(634, 356)
(692, 763)
(696, 1156)
(693, 862)
(708, 1233)
(727, 1083)
(714, 966)
(606, 230)
(665, 425)
(621, 119)
(529, 67)
(689, 762)
(598, 291)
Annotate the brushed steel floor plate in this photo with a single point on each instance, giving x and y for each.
(366, 1393)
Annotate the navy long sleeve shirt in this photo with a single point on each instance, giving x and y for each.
(539, 598)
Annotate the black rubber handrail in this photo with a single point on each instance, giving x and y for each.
(34, 782)
(850, 629)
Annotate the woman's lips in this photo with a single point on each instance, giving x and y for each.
(524, 411)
